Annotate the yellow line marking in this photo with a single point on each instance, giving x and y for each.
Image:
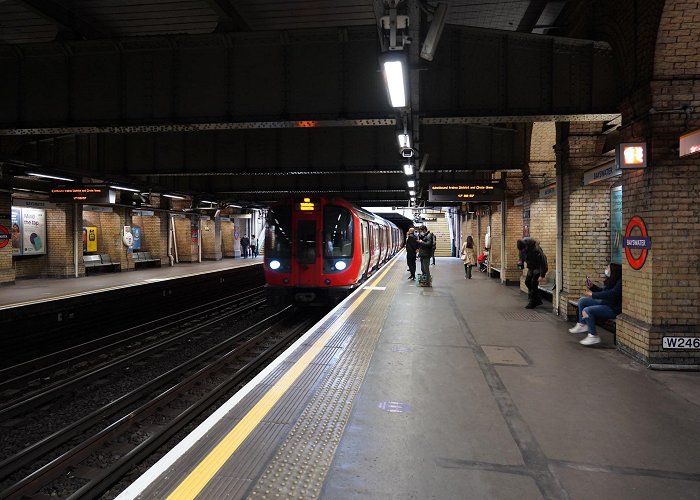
(196, 480)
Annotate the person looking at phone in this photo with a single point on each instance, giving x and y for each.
(599, 303)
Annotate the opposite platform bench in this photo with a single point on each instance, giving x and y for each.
(102, 262)
(144, 259)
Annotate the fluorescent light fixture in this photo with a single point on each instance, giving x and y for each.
(411, 183)
(408, 169)
(46, 176)
(125, 189)
(411, 193)
(404, 140)
(174, 197)
(413, 199)
(210, 202)
(395, 82)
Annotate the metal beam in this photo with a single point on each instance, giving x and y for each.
(79, 26)
(230, 19)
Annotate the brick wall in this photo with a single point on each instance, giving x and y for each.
(227, 248)
(661, 299)
(514, 231)
(154, 234)
(211, 239)
(496, 231)
(110, 229)
(187, 249)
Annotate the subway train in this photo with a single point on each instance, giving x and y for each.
(318, 250)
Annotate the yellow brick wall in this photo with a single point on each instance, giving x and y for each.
(7, 270)
(211, 240)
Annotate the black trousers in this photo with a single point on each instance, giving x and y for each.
(411, 260)
(531, 282)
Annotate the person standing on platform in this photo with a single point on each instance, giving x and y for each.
(599, 303)
(531, 254)
(411, 249)
(245, 244)
(468, 257)
(425, 251)
(432, 253)
(253, 247)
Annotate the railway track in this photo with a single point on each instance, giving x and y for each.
(106, 427)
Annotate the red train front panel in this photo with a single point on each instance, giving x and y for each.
(313, 243)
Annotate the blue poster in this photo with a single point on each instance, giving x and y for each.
(616, 235)
(136, 233)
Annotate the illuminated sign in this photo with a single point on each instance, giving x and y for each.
(631, 155)
(81, 194)
(307, 205)
(689, 143)
(465, 192)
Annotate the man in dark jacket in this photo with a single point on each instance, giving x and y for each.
(531, 254)
(425, 251)
(411, 249)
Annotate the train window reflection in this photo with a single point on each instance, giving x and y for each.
(306, 250)
(337, 232)
(278, 231)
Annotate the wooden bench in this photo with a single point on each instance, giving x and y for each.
(102, 262)
(608, 324)
(144, 259)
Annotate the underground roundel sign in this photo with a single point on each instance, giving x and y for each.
(4, 236)
(637, 242)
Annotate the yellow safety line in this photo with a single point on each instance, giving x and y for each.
(195, 482)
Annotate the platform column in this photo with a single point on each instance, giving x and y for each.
(586, 249)
(661, 298)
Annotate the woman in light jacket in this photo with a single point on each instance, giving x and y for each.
(468, 257)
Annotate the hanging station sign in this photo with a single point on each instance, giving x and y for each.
(81, 194)
(462, 192)
(606, 171)
(548, 191)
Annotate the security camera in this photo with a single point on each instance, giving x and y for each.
(407, 152)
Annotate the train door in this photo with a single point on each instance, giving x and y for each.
(365, 247)
(308, 263)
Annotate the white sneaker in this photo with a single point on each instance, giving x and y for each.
(579, 328)
(590, 340)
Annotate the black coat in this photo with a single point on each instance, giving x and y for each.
(534, 257)
(411, 245)
(425, 248)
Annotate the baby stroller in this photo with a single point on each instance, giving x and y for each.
(483, 261)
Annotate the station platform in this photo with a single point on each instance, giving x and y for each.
(31, 291)
(454, 391)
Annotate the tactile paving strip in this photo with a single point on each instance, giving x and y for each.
(302, 462)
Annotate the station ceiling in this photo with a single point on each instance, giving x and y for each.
(247, 101)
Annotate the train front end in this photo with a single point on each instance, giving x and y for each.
(311, 251)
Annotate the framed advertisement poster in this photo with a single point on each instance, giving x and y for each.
(616, 248)
(28, 231)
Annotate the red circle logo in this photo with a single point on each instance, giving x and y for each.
(638, 262)
(4, 236)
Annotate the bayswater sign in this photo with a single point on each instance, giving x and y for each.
(601, 173)
(464, 192)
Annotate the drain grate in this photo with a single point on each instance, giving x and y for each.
(523, 316)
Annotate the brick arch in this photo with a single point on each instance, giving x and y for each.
(630, 27)
(676, 49)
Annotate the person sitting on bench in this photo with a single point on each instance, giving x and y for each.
(599, 303)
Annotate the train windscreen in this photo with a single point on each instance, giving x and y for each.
(337, 231)
(279, 230)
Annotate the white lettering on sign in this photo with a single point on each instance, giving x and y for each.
(681, 343)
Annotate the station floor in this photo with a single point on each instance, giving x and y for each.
(449, 392)
(25, 291)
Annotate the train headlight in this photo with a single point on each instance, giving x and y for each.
(340, 265)
(275, 265)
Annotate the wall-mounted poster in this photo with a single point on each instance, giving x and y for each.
(616, 249)
(28, 231)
